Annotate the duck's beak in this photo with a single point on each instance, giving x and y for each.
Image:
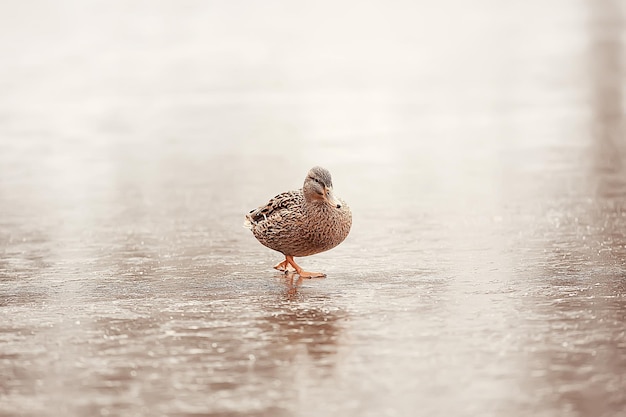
(332, 200)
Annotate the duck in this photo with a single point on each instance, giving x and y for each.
(302, 222)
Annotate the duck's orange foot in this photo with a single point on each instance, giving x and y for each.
(301, 272)
(283, 266)
(306, 274)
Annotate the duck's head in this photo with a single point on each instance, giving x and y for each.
(318, 187)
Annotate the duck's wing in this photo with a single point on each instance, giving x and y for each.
(280, 205)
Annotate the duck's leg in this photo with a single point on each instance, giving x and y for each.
(282, 266)
(301, 272)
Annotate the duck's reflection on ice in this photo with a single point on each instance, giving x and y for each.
(293, 282)
(303, 320)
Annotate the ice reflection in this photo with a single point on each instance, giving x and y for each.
(292, 283)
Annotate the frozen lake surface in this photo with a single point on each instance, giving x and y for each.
(481, 147)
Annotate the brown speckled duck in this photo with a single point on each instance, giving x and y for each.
(302, 222)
